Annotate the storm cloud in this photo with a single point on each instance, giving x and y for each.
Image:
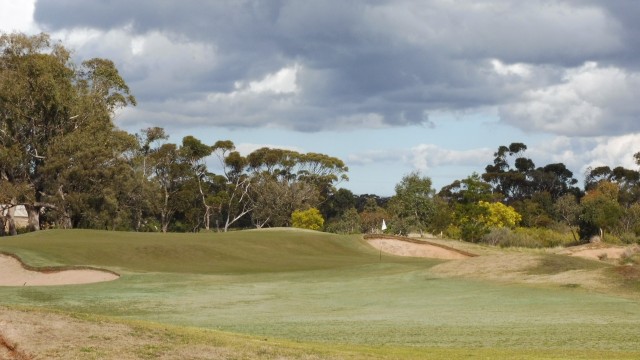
(558, 67)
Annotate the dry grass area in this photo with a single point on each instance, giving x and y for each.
(29, 335)
(520, 268)
(582, 266)
(53, 336)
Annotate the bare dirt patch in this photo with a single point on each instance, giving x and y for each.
(14, 273)
(415, 249)
(9, 351)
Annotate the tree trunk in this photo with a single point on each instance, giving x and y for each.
(12, 225)
(165, 215)
(207, 217)
(165, 222)
(34, 217)
(65, 221)
(573, 233)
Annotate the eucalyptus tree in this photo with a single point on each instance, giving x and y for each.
(601, 211)
(195, 153)
(143, 199)
(413, 202)
(44, 98)
(508, 181)
(237, 200)
(171, 172)
(627, 180)
(302, 180)
(567, 210)
(91, 185)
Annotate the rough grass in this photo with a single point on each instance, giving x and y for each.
(314, 295)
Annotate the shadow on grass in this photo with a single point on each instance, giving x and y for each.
(555, 264)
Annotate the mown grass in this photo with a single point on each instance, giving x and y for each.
(329, 292)
(205, 253)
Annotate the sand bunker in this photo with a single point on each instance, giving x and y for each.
(13, 273)
(415, 249)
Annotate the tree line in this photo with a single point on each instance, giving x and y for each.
(64, 160)
(514, 202)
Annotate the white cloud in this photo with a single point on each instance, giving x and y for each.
(578, 154)
(518, 69)
(17, 16)
(613, 151)
(281, 82)
(427, 156)
(590, 100)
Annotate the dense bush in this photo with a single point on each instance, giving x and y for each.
(347, 223)
(629, 238)
(453, 232)
(307, 219)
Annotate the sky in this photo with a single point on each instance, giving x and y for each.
(388, 86)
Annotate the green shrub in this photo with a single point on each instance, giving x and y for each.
(473, 231)
(610, 238)
(339, 226)
(307, 219)
(453, 232)
(629, 238)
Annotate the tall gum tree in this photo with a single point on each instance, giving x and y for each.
(237, 200)
(43, 98)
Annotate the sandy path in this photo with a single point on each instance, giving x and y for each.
(12, 273)
(405, 248)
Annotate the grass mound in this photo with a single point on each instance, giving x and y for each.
(206, 253)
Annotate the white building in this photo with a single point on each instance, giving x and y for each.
(20, 215)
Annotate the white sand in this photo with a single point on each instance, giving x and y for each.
(12, 273)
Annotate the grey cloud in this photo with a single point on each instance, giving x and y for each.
(368, 63)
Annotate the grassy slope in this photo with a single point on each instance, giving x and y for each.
(205, 253)
(327, 289)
